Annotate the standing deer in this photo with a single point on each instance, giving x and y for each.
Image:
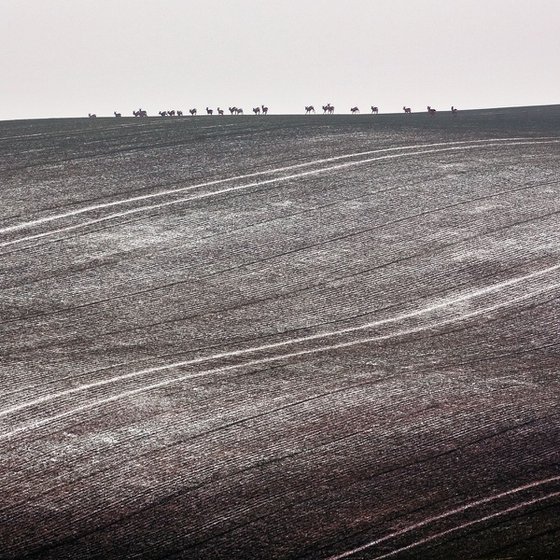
(354, 110)
(374, 110)
(431, 111)
(192, 112)
(117, 115)
(220, 111)
(257, 110)
(264, 110)
(209, 111)
(407, 110)
(179, 113)
(309, 109)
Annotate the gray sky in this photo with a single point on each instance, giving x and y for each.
(71, 57)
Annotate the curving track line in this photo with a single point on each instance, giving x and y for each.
(223, 191)
(24, 225)
(398, 318)
(450, 513)
(39, 423)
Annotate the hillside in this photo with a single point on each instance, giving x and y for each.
(311, 337)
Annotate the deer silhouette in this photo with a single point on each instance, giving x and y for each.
(92, 115)
(264, 110)
(309, 109)
(220, 111)
(431, 111)
(453, 110)
(179, 113)
(407, 110)
(192, 112)
(374, 110)
(117, 115)
(354, 110)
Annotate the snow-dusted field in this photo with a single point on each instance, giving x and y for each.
(281, 337)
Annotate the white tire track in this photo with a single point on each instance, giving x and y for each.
(452, 146)
(398, 318)
(24, 225)
(174, 380)
(450, 513)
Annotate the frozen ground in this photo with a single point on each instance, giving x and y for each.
(281, 337)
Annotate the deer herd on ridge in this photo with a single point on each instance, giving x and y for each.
(328, 109)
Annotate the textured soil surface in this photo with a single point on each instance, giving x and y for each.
(281, 337)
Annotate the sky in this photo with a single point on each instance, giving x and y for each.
(72, 57)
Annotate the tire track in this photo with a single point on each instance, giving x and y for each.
(25, 225)
(252, 339)
(420, 298)
(227, 233)
(160, 384)
(219, 192)
(390, 320)
(456, 528)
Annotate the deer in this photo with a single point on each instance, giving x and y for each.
(453, 110)
(407, 110)
(309, 109)
(117, 115)
(374, 110)
(179, 113)
(431, 111)
(257, 110)
(92, 116)
(192, 112)
(220, 111)
(264, 110)
(354, 110)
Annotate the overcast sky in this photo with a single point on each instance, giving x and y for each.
(71, 57)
